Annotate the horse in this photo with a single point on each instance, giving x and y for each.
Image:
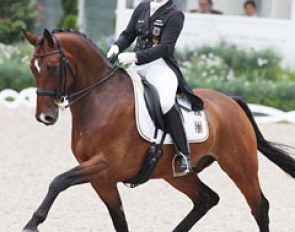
(108, 148)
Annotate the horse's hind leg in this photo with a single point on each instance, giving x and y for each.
(202, 197)
(243, 170)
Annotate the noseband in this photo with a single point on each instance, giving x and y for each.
(60, 93)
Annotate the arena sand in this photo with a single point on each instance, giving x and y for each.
(31, 155)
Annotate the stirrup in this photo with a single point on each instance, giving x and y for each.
(186, 171)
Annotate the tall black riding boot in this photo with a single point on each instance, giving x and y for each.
(175, 128)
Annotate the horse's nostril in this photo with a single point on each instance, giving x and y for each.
(49, 119)
(46, 119)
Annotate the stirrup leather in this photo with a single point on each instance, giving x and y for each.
(186, 171)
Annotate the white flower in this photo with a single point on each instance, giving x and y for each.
(187, 64)
(261, 62)
(203, 57)
(204, 74)
(25, 59)
(231, 75)
(211, 55)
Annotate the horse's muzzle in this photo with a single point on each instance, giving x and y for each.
(47, 118)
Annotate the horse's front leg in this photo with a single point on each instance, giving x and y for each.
(84, 173)
(110, 196)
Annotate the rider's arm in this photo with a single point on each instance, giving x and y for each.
(128, 36)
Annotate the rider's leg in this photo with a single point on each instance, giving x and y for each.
(160, 75)
(176, 130)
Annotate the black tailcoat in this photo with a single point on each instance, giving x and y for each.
(156, 38)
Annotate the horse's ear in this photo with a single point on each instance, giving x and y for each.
(48, 37)
(31, 38)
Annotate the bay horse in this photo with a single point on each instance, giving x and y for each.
(108, 147)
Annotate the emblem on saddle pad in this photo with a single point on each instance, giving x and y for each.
(198, 122)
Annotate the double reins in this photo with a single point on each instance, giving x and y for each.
(60, 93)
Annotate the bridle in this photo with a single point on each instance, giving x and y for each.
(60, 93)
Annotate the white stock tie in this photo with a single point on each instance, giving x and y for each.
(156, 5)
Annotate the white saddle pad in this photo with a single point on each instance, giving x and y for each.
(195, 123)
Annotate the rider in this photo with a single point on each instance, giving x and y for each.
(157, 24)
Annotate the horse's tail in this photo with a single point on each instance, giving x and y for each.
(271, 150)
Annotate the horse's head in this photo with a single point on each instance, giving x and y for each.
(53, 71)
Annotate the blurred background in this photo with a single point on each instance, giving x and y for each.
(249, 56)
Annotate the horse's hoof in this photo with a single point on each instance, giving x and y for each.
(29, 230)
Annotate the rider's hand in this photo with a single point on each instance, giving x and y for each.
(113, 51)
(127, 58)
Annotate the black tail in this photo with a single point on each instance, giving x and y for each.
(277, 155)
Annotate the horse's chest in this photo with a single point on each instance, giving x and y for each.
(81, 148)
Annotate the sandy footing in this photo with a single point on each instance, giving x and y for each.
(31, 155)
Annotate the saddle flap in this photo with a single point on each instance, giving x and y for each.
(152, 101)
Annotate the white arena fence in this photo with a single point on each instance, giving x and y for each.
(12, 99)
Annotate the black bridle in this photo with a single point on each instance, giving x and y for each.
(60, 93)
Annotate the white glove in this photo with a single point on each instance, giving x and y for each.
(113, 51)
(127, 58)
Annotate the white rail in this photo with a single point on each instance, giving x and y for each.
(11, 99)
(271, 115)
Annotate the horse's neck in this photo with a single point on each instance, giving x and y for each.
(89, 68)
(100, 105)
(103, 105)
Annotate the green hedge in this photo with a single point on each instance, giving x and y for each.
(14, 66)
(14, 16)
(70, 14)
(257, 76)
(279, 94)
(263, 81)
(224, 60)
(15, 76)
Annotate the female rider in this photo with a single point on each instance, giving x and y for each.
(156, 25)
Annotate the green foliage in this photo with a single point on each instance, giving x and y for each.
(103, 45)
(15, 15)
(247, 64)
(257, 76)
(15, 76)
(69, 7)
(203, 70)
(14, 66)
(70, 12)
(279, 94)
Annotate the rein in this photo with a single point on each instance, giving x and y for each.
(80, 94)
(60, 94)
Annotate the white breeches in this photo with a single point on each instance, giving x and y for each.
(160, 75)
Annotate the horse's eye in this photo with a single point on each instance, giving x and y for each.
(52, 68)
